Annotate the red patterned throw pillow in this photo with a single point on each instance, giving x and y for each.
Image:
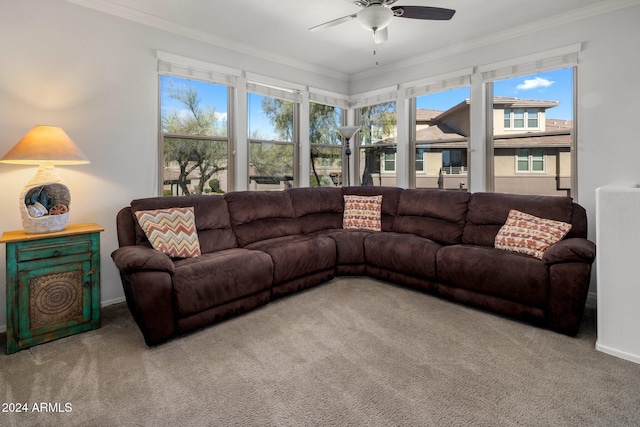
(362, 213)
(529, 234)
(171, 231)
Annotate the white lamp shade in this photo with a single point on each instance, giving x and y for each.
(347, 132)
(45, 144)
(375, 17)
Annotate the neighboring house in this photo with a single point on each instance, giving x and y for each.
(531, 151)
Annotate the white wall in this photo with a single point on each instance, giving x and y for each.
(618, 271)
(95, 76)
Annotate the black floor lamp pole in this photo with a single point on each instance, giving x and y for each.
(347, 151)
(347, 132)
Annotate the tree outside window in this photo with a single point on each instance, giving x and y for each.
(378, 131)
(195, 136)
(326, 146)
(272, 131)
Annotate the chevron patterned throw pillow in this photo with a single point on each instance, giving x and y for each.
(171, 231)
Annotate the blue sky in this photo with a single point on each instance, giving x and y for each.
(554, 85)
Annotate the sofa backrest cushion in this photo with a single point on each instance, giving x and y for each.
(261, 215)
(439, 215)
(317, 208)
(390, 199)
(489, 211)
(211, 215)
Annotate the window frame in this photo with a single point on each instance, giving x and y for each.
(531, 158)
(340, 180)
(228, 139)
(294, 143)
(510, 117)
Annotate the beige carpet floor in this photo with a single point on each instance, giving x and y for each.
(354, 352)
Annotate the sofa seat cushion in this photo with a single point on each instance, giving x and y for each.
(297, 256)
(220, 277)
(508, 275)
(411, 255)
(349, 245)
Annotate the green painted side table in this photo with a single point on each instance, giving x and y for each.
(53, 284)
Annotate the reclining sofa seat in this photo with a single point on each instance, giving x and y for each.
(167, 296)
(550, 291)
(320, 212)
(272, 244)
(266, 221)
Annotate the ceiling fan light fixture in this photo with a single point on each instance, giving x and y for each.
(375, 17)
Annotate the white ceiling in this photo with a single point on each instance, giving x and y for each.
(278, 29)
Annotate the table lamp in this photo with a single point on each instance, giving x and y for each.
(45, 201)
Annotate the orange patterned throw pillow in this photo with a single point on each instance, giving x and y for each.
(171, 231)
(528, 234)
(362, 213)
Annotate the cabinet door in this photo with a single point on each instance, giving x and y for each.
(53, 300)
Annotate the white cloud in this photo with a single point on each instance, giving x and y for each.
(535, 83)
(221, 116)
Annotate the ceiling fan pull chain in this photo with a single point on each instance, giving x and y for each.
(374, 46)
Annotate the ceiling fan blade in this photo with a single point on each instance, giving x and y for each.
(333, 23)
(381, 36)
(424, 12)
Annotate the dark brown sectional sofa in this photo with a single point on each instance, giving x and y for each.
(257, 246)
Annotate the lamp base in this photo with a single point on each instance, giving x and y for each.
(44, 202)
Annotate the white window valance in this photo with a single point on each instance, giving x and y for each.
(328, 98)
(374, 97)
(440, 83)
(286, 94)
(545, 61)
(180, 66)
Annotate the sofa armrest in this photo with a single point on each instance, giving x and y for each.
(130, 259)
(570, 250)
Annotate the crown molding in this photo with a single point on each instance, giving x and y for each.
(605, 6)
(127, 13)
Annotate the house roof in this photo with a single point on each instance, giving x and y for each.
(558, 134)
(508, 102)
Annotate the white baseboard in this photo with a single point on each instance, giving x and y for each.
(112, 301)
(617, 353)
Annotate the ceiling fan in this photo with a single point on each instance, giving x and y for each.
(376, 15)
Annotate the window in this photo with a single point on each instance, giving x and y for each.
(389, 160)
(326, 146)
(195, 141)
(530, 160)
(441, 139)
(515, 118)
(533, 145)
(420, 160)
(454, 161)
(378, 131)
(272, 130)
